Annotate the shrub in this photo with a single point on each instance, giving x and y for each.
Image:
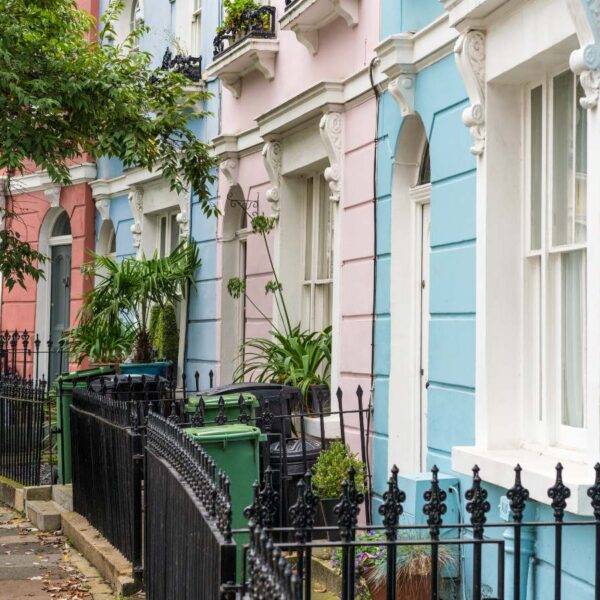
(331, 470)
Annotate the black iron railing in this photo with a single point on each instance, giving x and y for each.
(107, 464)
(26, 432)
(190, 66)
(25, 355)
(465, 542)
(190, 553)
(258, 23)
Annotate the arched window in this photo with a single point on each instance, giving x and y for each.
(62, 226)
(137, 14)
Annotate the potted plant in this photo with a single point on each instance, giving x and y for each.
(413, 566)
(114, 321)
(329, 473)
(237, 20)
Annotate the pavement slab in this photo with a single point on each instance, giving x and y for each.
(35, 565)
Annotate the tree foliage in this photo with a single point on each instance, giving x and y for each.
(71, 91)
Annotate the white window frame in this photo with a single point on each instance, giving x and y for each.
(196, 28)
(168, 217)
(542, 388)
(319, 194)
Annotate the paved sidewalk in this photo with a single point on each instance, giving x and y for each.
(42, 566)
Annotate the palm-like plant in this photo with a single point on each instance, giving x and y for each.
(292, 357)
(116, 313)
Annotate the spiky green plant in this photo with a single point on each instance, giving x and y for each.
(127, 291)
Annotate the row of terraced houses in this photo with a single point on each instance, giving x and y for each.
(434, 167)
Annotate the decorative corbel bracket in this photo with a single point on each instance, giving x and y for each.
(585, 61)
(52, 194)
(230, 167)
(272, 152)
(136, 202)
(103, 207)
(332, 132)
(309, 38)
(184, 222)
(470, 58)
(402, 89)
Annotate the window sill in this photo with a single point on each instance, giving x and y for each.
(306, 17)
(538, 475)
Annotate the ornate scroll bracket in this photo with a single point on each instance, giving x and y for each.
(470, 58)
(585, 61)
(230, 168)
(52, 194)
(136, 202)
(184, 222)
(332, 130)
(103, 207)
(402, 89)
(272, 152)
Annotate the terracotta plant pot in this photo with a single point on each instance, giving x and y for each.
(416, 587)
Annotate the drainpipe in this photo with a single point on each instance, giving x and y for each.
(528, 539)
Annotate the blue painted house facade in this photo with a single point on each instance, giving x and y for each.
(487, 334)
(136, 211)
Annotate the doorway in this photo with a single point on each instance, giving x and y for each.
(424, 330)
(60, 293)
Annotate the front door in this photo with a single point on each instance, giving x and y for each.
(425, 251)
(60, 300)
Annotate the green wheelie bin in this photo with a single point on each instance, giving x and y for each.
(232, 407)
(236, 451)
(62, 390)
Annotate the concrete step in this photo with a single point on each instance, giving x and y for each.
(63, 496)
(46, 515)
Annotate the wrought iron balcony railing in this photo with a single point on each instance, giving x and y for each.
(259, 23)
(190, 66)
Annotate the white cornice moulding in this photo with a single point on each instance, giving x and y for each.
(306, 17)
(39, 181)
(462, 11)
(108, 188)
(399, 53)
(252, 54)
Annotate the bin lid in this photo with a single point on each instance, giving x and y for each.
(85, 374)
(293, 449)
(218, 433)
(229, 399)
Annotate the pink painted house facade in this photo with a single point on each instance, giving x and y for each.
(297, 141)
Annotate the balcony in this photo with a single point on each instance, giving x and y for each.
(190, 66)
(306, 17)
(250, 45)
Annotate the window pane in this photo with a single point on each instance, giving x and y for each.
(536, 167)
(163, 236)
(174, 233)
(324, 262)
(563, 164)
(308, 231)
(306, 301)
(322, 317)
(580, 169)
(573, 323)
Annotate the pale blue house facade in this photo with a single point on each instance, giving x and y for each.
(462, 377)
(137, 213)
